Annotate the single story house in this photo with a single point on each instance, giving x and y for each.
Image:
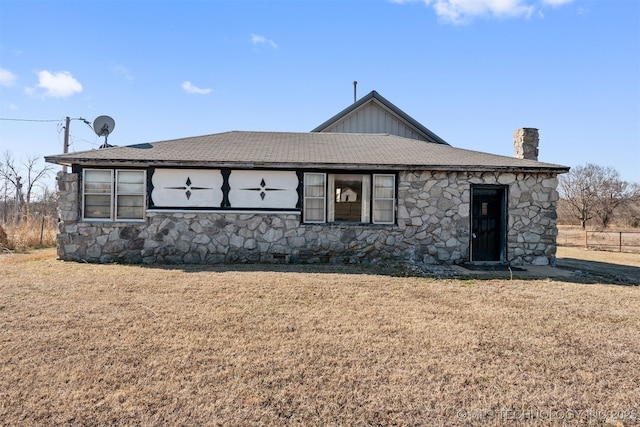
(369, 184)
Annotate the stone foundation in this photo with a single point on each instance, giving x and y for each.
(433, 226)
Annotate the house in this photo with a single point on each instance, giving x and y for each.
(369, 184)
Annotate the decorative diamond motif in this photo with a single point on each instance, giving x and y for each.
(187, 187)
(263, 189)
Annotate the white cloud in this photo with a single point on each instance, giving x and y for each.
(460, 11)
(57, 85)
(119, 69)
(190, 88)
(556, 2)
(7, 78)
(257, 39)
(463, 11)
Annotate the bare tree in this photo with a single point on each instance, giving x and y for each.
(14, 175)
(35, 176)
(593, 192)
(629, 213)
(11, 186)
(577, 189)
(614, 194)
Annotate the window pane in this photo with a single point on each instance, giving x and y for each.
(130, 182)
(315, 191)
(97, 181)
(331, 201)
(366, 198)
(314, 178)
(314, 185)
(347, 191)
(130, 207)
(97, 206)
(383, 193)
(314, 210)
(384, 187)
(383, 211)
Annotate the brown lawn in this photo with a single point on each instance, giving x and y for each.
(84, 344)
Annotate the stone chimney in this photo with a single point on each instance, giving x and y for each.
(525, 144)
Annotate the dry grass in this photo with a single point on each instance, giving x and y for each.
(85, 344)
(616, 258)
(29, 234)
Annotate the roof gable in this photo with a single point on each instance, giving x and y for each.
(375, 114)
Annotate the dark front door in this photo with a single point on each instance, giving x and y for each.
(487, 224)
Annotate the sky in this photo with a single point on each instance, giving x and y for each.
(472, 71)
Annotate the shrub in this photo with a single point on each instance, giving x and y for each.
(29, 234)
(4, 240)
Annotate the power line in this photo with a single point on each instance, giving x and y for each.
(29, 120)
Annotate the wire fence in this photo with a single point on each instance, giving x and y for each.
(606, 240)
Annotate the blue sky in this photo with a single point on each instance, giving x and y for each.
(472, 71)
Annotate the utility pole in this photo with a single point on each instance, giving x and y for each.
(66, 135)
(66, 140)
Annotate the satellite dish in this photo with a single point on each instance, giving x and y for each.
(103, 126)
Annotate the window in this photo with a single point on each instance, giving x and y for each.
(114, 195)
(384, 190)
(129, 195)
(314, 197)
(98, 187)
(351, 200)
(339, 198)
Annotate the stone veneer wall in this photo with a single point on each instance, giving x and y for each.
(433, 226)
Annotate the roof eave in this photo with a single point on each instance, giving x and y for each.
(308, 165)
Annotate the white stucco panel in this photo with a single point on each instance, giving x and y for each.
(263, 189)
(187, 188)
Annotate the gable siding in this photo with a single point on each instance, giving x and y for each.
(373, 119)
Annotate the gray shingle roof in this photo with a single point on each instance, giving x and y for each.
(300, 150)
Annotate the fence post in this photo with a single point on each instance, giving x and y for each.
(42, 230)
(586, 239)
(620, 242)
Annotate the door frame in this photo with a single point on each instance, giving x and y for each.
(503, 193)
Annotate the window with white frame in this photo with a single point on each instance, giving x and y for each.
(314, 197)
(129, 197)
(348, 197)
(384, 200)
(113, 195)
(98, 188)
